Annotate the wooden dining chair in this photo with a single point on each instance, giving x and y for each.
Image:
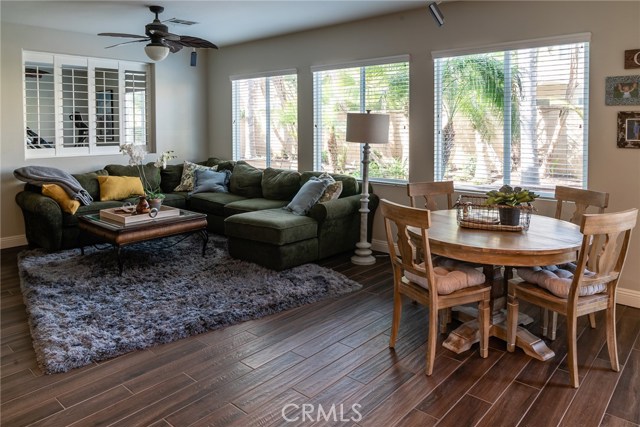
(438, 287)
(428, 191)
(581, 201)
(591, 289)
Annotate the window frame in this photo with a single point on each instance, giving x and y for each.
(93, 147)
(235, 119)
(538, 43)
(317, 104)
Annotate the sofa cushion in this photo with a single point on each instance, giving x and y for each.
(280, 184)
(170, 177)
(57, 193)
(246, 180)
(350, 185)
(89, 182)
(187, 181)
(212, 203)
(221, 163)
(250, 205)
(307, 196)
(119, 187)
(211, 181)
(150, 172)
(176, 200)
(273, 226)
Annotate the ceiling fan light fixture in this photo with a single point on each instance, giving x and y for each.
(156, 51)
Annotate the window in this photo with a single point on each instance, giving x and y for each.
(516, 116)
(77, 106)
(265, 120)
(381, 86)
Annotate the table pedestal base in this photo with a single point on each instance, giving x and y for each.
(462, 338)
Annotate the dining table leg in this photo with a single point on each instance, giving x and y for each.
(463, 337)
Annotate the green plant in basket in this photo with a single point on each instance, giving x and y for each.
(510, 196)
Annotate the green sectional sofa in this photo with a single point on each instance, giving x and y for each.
(251, 214)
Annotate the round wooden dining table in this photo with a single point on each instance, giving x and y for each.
(547, 241)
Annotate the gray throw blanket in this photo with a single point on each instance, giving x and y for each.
(38, 175)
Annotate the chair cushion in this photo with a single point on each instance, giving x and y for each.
(557, 279)
(451, 275)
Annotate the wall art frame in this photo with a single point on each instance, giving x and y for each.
(622, 90)
(629, 129)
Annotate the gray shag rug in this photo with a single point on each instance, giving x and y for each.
(81, 311)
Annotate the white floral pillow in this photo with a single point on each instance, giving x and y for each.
(188, 180)
(333, 190)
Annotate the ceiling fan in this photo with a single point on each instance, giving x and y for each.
(162, 41)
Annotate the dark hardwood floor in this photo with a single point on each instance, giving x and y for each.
(333, 354)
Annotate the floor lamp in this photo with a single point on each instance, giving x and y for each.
(366, 129)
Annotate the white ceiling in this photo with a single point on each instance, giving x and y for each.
(221, 22)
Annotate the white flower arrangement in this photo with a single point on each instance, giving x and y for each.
(136, 155)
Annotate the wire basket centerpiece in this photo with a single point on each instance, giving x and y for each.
(508, 209)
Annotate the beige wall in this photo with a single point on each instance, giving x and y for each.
(614, 28)
(181, 107)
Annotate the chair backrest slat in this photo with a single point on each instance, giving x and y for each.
(604, 248)
(407, 256)
(582, 200)
(428, 191)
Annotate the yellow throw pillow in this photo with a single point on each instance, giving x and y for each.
(57, 193)
(119, 187)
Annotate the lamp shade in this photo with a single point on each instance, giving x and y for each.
(368, 128)
(156, 51)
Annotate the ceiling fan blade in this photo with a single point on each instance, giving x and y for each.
(133, 36)
(172, 45)
(165, 35)
(189, 41)
(130, 41)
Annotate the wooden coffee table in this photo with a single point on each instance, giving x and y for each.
(120, 235)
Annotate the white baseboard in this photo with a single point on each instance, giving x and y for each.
(13, 241)
(624, 296)
(628, 297)
(379, 245)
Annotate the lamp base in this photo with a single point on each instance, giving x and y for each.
(363, 254)
(363, 260)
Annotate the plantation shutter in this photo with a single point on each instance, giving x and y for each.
(135, 107)
(265, 119)
(380, 86)
(516, 116)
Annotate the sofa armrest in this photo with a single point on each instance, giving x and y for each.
(42, 219)
(337, 208)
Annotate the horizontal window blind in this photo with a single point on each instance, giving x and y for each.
(381, 88)
(265, 121)
(517, 117)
